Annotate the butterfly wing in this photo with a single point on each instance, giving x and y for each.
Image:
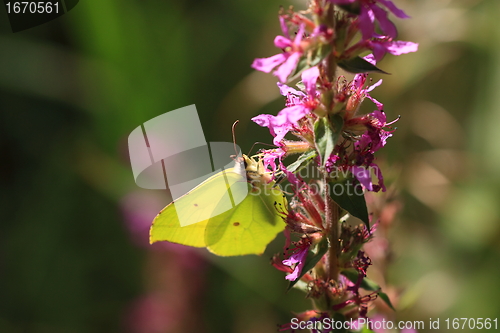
(250, 226)
(184, 220)
(225, 214)
(166, 227)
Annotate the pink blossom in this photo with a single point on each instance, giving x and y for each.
(286, 61)
(376, 133)
(371, 11)
(330, 162)
(382, 45)
(372, 140)
(364, 176)
(358, 83)
(298, 258)
(363, 170)
(298, 105)
(281, 124)
(270, 156)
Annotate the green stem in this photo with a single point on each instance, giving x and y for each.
(331, 207)
(332, 223)
(333, 237)
(331, 63)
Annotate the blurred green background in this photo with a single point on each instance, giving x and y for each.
(73, 232)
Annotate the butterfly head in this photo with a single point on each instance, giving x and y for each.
(255, 171)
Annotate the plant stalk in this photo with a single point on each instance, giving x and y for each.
(332, 223)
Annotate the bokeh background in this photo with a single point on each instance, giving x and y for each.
(73, 234)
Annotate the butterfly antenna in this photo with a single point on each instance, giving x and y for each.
(234, 137)
(259, 143)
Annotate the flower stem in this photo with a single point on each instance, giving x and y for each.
(332, 223)
(331, 63)
(331, 207)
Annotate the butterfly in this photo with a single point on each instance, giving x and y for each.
(237, 211)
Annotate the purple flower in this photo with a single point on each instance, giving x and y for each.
(372, 140)
(298, 105)
(293, 96)
(376, 133)
(382, 45)
(278, 264)
(364, 176)
(330, 162)
(288, 60)
(371, 11)
(297, 258)
(281, 124)
(270, 156)
(359, 81)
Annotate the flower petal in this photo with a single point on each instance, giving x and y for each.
(380, 116)
(284, 27)
(282, 42)
(287, 67)
(298, 258)
(395, 10)
(379, 105)
(279, 133)
(373, 86)
(379, 175)
(286, 90)
(364, 176)
(378, 49)
(386, 25)
(371, 59)
(309, 78)
(270, 156)
(263, 119)
(266, 65)
(366, 20)
(291, 114)
(401, 47)
(300, 34)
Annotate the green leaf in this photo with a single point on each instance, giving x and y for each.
(311, 60)
(326, 136)
(366, 330)
(300, 85)
(300, 285)
(302, 161)
(366, 284)
(349, 196)
(337, 122)
(359, 65)
(386, 299)
(370, 285)
(351, 274)
(325, 141)
(311, 260)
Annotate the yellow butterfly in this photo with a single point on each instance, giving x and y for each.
(247, 228)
